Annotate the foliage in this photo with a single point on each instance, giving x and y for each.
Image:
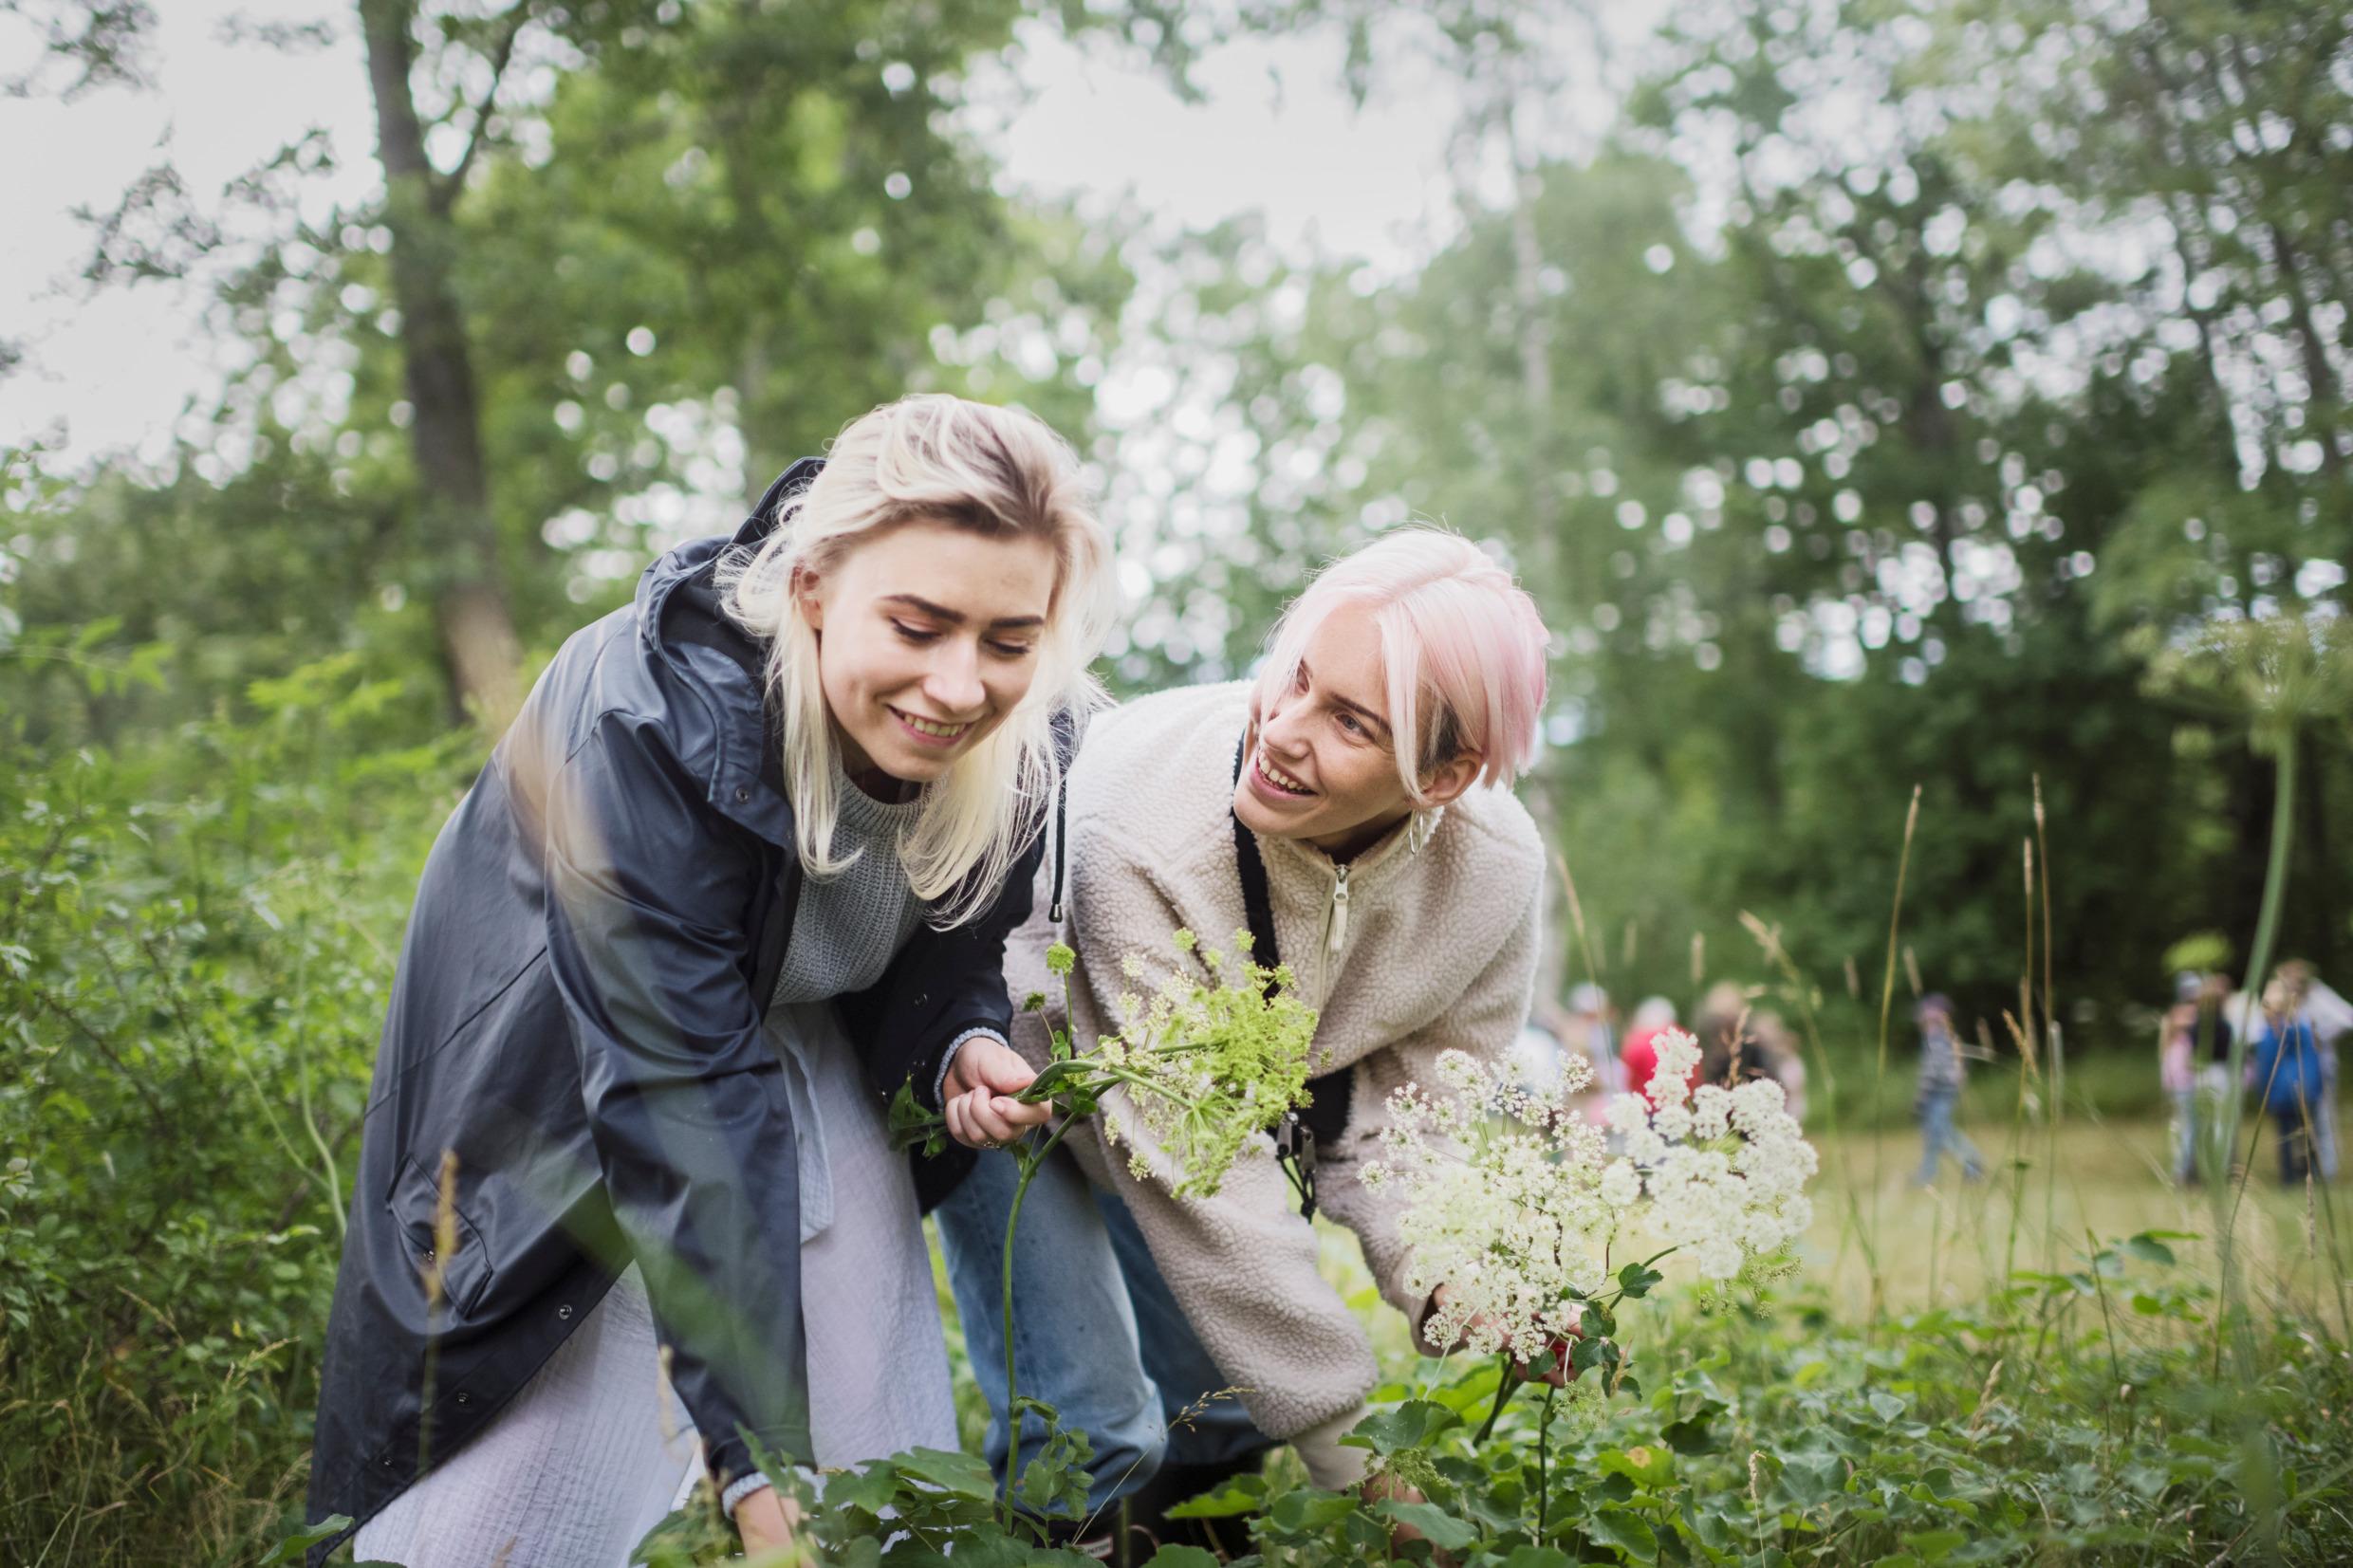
(2069, 1417)
(195, 939)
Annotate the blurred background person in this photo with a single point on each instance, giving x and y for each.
(2283, 1070)
(2329, 1016)
(2194, 1058)
(1942, 1072)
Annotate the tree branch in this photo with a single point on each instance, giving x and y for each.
(445, 191)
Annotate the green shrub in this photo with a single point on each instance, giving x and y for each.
(195, 936)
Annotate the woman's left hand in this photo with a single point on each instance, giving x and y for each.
(978, 1096)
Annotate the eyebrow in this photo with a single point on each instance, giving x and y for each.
(957, 618)
(1357, 708)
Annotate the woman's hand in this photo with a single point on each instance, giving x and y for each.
(979, 1094)
(1561, 1374)
(765, 1520)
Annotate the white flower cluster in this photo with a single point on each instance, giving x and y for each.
(1513, 1201)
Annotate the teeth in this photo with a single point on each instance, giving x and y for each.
(1280, 779)
(927, 726)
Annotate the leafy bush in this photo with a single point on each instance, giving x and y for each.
(195, 938)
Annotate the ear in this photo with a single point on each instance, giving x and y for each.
(1445, 783)
(805, 592)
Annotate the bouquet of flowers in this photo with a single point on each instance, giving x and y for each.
(1218, 1054)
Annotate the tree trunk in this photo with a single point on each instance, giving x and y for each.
(458, 537)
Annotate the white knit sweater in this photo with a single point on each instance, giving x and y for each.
(1438, 952)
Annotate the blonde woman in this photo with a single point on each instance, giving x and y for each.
(1353, 808)
(768, 823)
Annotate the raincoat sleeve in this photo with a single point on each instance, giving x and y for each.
(649, 892)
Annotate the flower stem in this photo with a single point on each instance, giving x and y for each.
(1544, 1441)
(1031, 1161)
(1503, 1394)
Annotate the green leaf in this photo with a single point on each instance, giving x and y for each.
(2146, 1247)
(290, 1548)
(1696, 1436)
(1412, 1425)
(1243, 1494)
(1935, 1545)
(1536, 1556)
(1302, 1512)
(966, 1475)
(1439, 1527)
(1627, 1532)
(1885, 1406)
(1649, 1466)
(1181, 1557)
(871, 1488)
(1636, 1280)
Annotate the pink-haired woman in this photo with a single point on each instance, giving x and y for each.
(1353, 807)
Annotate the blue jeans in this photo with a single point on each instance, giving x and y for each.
(1939, 1134)
(1097, 1333)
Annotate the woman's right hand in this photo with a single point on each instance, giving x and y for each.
(765, 1520)
(978, 1096)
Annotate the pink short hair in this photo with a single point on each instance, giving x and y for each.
(1462, 648)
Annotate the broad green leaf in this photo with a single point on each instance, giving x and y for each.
(1694, 1436)
(1181, 1557)
(1627, 1532)
(871, 1488)
(1242, 1495)
(1935, 1545)
(967, 1475)
(1412, 1425)
(1439, 1527)
(1536, 1556)
(1297, 1512)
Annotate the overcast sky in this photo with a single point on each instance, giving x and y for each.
(1277, 135)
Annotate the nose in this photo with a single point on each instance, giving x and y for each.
(952, 683)
(1282, 730)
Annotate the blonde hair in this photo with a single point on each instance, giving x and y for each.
(1000, 473)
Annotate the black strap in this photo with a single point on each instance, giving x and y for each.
(1066, 737)
(1325, 1115)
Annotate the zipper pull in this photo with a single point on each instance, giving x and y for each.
(1340, 909)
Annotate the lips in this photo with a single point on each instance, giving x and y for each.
(931, 731)
(1279, 780)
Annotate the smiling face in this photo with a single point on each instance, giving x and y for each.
(928, 637)
(1324, 766)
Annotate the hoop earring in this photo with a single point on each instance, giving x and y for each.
(1419, 826)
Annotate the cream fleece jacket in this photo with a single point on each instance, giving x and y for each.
(1437, 951)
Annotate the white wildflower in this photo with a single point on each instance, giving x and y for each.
(1621, 1185)
(1515, 1203)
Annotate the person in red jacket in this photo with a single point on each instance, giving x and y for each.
(1640, 1055)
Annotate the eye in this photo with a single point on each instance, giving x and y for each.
(916, 635)
(1013, 649)
(1348, 722)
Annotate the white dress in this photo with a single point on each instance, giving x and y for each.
(596, 1449)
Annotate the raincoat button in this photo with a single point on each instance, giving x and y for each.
(741, 794)
(564, 1312)
(465, 1398)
